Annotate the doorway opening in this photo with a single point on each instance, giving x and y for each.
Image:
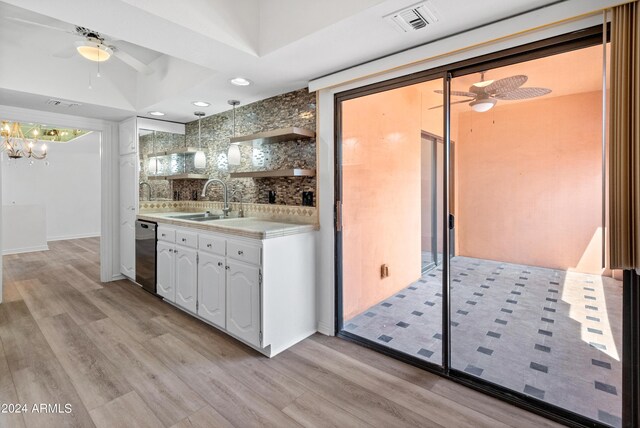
(52, 204)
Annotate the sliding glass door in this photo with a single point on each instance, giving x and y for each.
(508, 288)
(533, 309)
(391, 205)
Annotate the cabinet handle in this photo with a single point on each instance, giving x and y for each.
(227, 268)
(184, 239)
(240, 252)
(163, 235)
(170, 250)
(220, 264)
(208, 245)
(175, 251)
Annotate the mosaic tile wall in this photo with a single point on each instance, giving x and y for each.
(295, 108)
(174, 164)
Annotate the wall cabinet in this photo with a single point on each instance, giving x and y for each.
(221, 279)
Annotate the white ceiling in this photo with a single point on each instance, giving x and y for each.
(196, 46)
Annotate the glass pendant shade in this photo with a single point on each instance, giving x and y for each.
(153, 166)
(234, 154)
(199, 160)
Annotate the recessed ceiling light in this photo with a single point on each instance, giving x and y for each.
(240, 81)
(156, 113)
(201, 103)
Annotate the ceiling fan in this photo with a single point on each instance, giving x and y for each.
(92, 46)
(482, 96)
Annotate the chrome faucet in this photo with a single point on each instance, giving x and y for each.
(144, 183)
(225, 209)
(237, 192)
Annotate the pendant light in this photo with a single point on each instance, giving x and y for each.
(233, 155)
(153, 159)
(199, 160)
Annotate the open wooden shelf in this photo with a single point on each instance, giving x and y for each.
(180, 151)
(179, 177)
(275, 136)
(293, 172)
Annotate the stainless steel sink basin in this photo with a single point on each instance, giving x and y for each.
(197, 217)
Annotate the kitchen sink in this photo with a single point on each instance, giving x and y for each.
(197, 217)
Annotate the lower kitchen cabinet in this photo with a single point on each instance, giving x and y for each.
(177, 273)
(212, 288)
(261, 292)
(186, 262)
(165, 275)
(243, 301)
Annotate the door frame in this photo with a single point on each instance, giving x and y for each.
(631, 301)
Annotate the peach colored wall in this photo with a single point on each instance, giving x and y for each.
(529, 180)
(381, 196)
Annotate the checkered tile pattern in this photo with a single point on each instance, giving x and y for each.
(551, 334)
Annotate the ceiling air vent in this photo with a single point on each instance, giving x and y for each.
(61, 103)
(412, 18)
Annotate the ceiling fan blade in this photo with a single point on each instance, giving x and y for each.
(457, 93)
(507, 84)
(37, 24)
(66, 52)
(132, 62)
(455, 102)
(523, 93)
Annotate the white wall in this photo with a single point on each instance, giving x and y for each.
(69, 187)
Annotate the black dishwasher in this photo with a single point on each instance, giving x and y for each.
(146, 255)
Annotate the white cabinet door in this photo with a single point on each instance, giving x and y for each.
(243, 301)
(128, 197)
(128, 136)
(211, 288)
(186, 276)
(165, 271)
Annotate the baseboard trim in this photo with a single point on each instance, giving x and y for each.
(68, 237)
(325, 329)
(25, 250)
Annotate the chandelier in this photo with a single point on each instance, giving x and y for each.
(17, 146)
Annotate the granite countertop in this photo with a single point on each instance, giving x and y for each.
(248, 227)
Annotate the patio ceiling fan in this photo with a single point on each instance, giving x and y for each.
(91, 45)
(484, 95)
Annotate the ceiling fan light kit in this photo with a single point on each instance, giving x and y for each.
(94, 50)
(482, 105)
(482, 96)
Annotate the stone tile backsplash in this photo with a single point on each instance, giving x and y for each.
(295, 108)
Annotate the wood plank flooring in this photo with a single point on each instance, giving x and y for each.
(123, 358)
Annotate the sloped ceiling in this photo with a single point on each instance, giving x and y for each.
(196, 46)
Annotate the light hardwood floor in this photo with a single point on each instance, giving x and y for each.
(123, 358)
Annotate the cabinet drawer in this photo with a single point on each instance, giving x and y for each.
(243, 252)
(212, 244)
(165, 234)
(188, 239)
